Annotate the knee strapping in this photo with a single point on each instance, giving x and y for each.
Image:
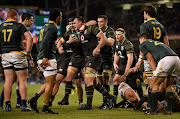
(71, 70)
(107, 73)
(89, 73)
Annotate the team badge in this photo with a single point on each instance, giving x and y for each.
(116, 46)
(82, 38)
(122, 47)
(119, 52)
(60, 69)
(70, 63)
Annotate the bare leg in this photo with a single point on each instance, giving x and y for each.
(9, 80)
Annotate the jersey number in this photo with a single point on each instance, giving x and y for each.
(156, 42)
(157, 32)
(6, 31)
(138, 82)
(41, 35)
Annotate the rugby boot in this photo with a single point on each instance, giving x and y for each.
(8, 108)
(111, 101)
(25, 108)
(63, 102)
(49, 111)
(152, 112)
(104, 105)
(33, 103)
(85, 107)
(168, 112)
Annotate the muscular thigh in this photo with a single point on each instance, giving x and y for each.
(94, 62)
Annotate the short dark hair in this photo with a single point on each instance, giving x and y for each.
(103, 16)
(70, 19)
(54, 13)
(146, 36)
(80, 18)
(151, 10)
(26, 16)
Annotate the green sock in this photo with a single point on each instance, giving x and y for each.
(169, 100)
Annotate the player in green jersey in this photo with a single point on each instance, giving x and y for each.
(14, 59)
(158, 33)
(104, 74)
(46, 48)
(165, 64)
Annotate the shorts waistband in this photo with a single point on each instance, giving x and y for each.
(14, 52)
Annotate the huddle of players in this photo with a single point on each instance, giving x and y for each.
(98, 63)
(88, 58)
(93, 61)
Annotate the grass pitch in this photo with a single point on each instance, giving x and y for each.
(71, 112)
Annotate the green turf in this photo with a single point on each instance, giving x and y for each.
(71, 112)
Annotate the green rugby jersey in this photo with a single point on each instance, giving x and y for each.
(124, 48)
(153, 27)
(158, 49)
(89, 41)
(107, 51)
(11, 33)
(46, 46)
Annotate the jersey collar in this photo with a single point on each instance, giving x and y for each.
(53, 22)
(151, 19)
(9, 20)
(123, 41)
(105, 29)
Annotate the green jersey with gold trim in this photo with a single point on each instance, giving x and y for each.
(46, 46)
(11, 34)
(89, 41)
(153, 27)
(107, 51)
(124, 48)
(158, 49)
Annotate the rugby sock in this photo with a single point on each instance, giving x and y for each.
(100, 88)
(107, 87)
(18, 95)
(23, 102)
(73, 87)
(143, 99)
(149, 97)
(89, 93)
(147, 86)
(115, 92)
(2, 97)
(52, 98)
(8, 103)
(80, 101)
(169, 100)
(108, 90)
(68, 88)
(36, 96)
(154, 95)
(45, 107)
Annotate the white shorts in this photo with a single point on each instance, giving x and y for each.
(16, 61)
(147, 69)
(50, 70)
(168, 66)
(122, 89)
